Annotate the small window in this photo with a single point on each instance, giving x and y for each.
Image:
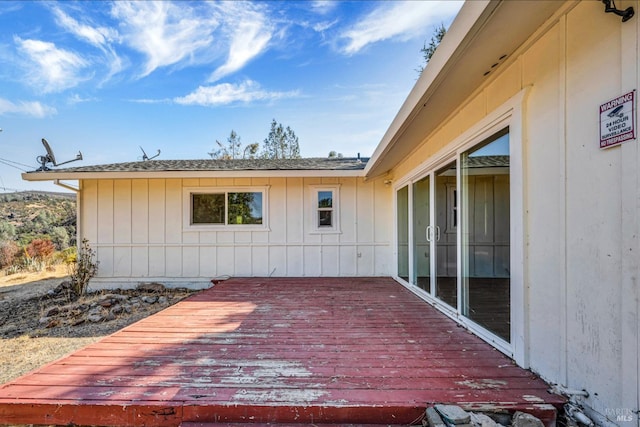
(325, 208)
(225, 208)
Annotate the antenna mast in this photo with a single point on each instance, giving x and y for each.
(145, 157)
(50, 158)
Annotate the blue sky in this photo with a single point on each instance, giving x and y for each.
(107, 77)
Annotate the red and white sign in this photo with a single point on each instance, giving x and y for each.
(618, 120)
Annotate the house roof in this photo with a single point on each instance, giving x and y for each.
(342, 166)
(487, 162)
(479, 42)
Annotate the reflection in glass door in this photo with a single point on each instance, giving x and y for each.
(486, 235)
(402, 213)
(421, 234)
(453, 234)
(445, 234)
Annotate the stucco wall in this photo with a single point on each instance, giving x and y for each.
(581, 203)
(137, 228)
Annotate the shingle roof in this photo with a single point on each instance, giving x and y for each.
(487, 161)
(305, 164)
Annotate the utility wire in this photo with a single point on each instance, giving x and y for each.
(16, 164)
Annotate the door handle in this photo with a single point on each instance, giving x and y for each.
(437, 233)
(429, 233)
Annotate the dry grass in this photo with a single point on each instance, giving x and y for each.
(24, 353)
(55, 272)
(25, 344)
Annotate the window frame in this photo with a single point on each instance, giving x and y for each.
(316, 228)
(188, 224)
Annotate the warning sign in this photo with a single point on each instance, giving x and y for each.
(618, 120)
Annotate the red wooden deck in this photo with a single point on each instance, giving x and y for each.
(357, 351)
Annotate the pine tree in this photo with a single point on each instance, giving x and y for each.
(232, 150)
(281, 143)
(429, 49)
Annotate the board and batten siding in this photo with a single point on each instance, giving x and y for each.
(137, 228)
(581, 203)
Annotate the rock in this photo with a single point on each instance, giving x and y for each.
(432, 418)
(117, 309)
(52, 312)
(106, 303)
(109, 317)
(452, 414)
(521, 419)
(115, 297)
(482, 420)
(163, 300)
(151, 287)
(44, 320)
(95, 317)
(149, 299)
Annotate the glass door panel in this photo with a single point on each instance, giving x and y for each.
(402, 213)
(486, 235)
(445, 234)
(421, 237)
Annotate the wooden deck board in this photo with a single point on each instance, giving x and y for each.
(349, 351)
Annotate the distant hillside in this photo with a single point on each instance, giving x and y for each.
(28, 215)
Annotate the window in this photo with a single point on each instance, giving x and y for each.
(211, 207)
(325, 209)
(324, 201)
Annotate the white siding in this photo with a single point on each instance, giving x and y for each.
(581, 203)
(137, 227)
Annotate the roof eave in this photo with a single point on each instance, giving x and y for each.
(460, 28)
(77, 176)
(482, 35)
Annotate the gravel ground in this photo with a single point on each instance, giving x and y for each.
(26, 343)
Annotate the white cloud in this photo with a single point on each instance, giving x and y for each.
(100, 37)
(324, 26)
(97, 36)
(323, 6)
(50, 69)
(77, 99)
(250, 34)
(166, 33)
(397, 20)
(227, 93)
(33, 109)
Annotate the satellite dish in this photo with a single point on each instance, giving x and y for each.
(145, 157)
(51, 158)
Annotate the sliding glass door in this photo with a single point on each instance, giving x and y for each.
(421, 234)
(453, 234)
(445, 234)
(402, 214)
(486, 235)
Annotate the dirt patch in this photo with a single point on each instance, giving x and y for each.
(39, 325)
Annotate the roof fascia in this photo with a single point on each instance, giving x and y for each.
(57, 176)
